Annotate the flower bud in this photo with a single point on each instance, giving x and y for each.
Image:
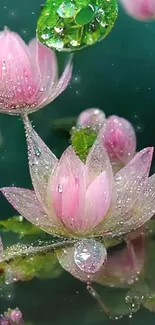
(92, 117)
(140, 9)
(28, 75)
(119, 140)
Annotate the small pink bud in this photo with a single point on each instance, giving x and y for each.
(92, 117)
(16, 316)
(140, 9)
(12, 317)
(119, 139)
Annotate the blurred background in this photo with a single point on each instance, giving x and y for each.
(116, 75)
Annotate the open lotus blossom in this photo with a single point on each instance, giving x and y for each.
(140, 9)
(28, 75)
(119, 139)
(84, 201)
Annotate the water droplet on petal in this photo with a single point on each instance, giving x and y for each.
(89, 255)
(37, 151)
(60, 188)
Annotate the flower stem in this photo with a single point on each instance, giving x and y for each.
(96, 296)
(31, 250)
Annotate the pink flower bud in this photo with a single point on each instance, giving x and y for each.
(119, 139)
(12, 317)
(92, 117)
(28, 75)
(140, 9)
(16, 316)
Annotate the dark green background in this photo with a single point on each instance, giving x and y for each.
(116, 75)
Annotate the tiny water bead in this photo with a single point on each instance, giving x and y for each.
(73, 25)
(133, 302)
(66, 10)
(89, 255)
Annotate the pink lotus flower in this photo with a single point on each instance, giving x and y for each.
(119, 140)
(81, 201)
(28, 75)
(140, 9)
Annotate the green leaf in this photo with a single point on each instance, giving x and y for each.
(82, 141)
(22, 262)
(75, 35)
(149, 302)
(150, 226)
(64, 124)
(40, 266)
(112, 242)
(111, 300)
(20, 226)
(117, 302)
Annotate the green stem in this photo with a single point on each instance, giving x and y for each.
(35, 250)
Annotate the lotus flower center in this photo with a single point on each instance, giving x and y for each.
(89, 255)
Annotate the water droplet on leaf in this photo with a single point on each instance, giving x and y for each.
(72, 25)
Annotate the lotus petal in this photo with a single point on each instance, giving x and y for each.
(45, 62)
(27, 204)
(66, 190)
(98, 198)
(123, 216)
(62, 83)
(130, 181)
(41, 162)
(98, 160)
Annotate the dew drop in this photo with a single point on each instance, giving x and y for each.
(66, 10)
(37, 151)
(60, 188)
(3, 65)
(133, 303)
(89, 255)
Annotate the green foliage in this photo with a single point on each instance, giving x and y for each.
(68, 25)
(22, 263)
(64, 124)
(149, 302)
(82, 141)
(19, 225)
